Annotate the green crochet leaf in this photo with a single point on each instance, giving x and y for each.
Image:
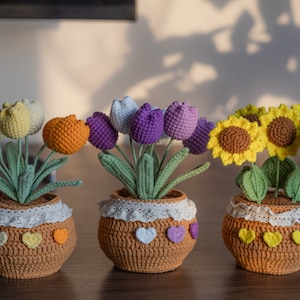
(168, 170)
(11, 151)
(46, 169)
(183, 177)
(25, 183)
(8, 189)
(286, 166)
(240, 174)
(5, 172)
(254, 184)
(50, 187)
(119, 169)
(153, 152)
(292, 186)
(145, 176)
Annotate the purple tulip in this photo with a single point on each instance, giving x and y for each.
(197, 142)
(102, 134)
(147, 125)
(121, 113)
(180, 120)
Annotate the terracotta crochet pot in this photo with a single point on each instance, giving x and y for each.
(31, 244)
(147, 236)
(263, 238)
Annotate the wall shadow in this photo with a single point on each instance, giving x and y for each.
(247, 77)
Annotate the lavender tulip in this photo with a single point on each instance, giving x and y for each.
(102, 134)
(121, 114)
(147, 125)
(197, 142)
(180, 120)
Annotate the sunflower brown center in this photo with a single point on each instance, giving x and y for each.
(281, 132)
(253, 118)
(234, 139)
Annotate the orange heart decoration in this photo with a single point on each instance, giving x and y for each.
(60, 235)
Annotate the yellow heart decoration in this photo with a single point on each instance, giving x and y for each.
(32, 240)
(60, 235)
(3, 238)
(246, 235)
(272, 239)
(296, 237)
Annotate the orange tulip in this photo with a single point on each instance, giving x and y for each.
(48, 127)
(66, 135)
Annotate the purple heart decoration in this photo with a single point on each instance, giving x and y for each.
(194, 230)
(176, 233)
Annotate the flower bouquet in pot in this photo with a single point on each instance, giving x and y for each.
(37, 231)
(261, 227)
(148, 226)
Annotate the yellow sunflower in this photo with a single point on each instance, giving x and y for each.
(236, 140)
(282, 127)
(296, 106)
(251, 113)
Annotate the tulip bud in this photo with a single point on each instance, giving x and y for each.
(36, 115)
(180, 120)
(197, 142)
(102, 134)
(67, 135)
(121, 114)
(147, 125)
(15, 120)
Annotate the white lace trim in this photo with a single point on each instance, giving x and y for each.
(31, 217)
(263, 214)
(127, 210)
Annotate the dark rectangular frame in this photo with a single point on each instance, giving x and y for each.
(68, 9)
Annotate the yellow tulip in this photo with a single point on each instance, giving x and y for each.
(15, 120)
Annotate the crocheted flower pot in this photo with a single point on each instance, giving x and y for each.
(147, 236)
(35, 238)
(263, 238)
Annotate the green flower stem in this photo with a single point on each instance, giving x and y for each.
(124, 155)
(255, 175)
(46, 161)
(26, 150)
(277, 176)
(132, 150)
(39, 154)
(140, 151)
(19, 156)
(166, 153)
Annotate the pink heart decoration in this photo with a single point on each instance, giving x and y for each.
(194, 230)
(176, 233)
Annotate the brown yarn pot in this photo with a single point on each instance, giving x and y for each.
(257, 256)
(118, 241)
(18, 261)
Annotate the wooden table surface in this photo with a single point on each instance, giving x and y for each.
(209, 272)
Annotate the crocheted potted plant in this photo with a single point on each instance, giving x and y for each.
(37, 232)
(147, 226)
(261, 227)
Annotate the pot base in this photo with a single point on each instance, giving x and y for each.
(147, 236)
(117, 240)
(262, 247)
(32, 244)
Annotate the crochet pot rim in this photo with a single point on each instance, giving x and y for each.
(282, 202)
(174, 194)
(48, 198)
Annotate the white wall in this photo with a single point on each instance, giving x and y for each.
(219, 55)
